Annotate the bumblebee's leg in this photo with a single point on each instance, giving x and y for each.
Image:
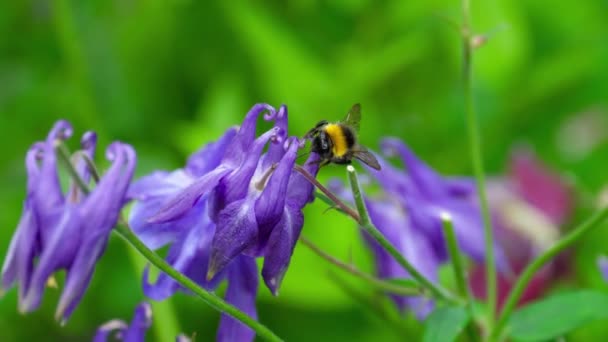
(345, 160)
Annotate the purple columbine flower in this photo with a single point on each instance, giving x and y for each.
(134, 332)
(64, 230)
(408, 212)
(232, 202)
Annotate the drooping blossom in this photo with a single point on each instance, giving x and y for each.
(232, 202)
(529, 206)
(67, 230)
(408, 212)
(134, 332)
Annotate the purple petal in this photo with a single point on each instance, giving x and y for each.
(184, 201)
(19, 260)
(141, 322)
(153, 192)
(48, 196)
(276, 151)
(80, 273)
(414, 245)
(300, 191)
(189, 255)
(241, 292)
(602, 263)
(237, 229)
(19, 257)
(159, 184)
(58, 252)
(269, 206)
(428, 183)
(99, 213)
(237, 150)
(104, 331)
(237, 183)
(280, 247)
(210, 156)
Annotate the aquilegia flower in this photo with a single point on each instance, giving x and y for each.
(408, 212)
(529, 205)
(61, 230)
(231, 203)
(134, 332)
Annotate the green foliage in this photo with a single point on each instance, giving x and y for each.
(557, 315)
(445, 324)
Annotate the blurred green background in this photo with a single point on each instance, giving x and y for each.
(167, 76)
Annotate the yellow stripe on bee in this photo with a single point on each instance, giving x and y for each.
(336, 134)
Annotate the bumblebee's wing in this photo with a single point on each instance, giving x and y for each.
(366, 157)
(353, 117)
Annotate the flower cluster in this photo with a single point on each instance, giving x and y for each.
(67, 230)
(232, 202)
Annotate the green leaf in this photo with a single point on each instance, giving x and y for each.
(557, 315)
(445, 324)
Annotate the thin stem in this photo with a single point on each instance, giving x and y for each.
(208, 297)
(378, 283)
(344, 207)
(477, 160)
(89, 163)
(540, 261)
(64, 156)
(367, 225)
(214, 301)
(459, 273)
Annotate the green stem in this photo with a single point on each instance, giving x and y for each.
(378, 283)
(459, 273)
(208, 297)
(367, 225)
(476, 157)
(341, 205)
(539, 262)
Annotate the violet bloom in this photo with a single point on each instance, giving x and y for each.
(64, 231)
(134, 332)
(232, 202)
(408, 212)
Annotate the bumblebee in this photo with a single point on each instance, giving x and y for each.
(337, 142)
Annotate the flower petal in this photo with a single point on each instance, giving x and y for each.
(210, 156)
(236, 184)
(269, 206)
(57, 252)
(189, 254)
(185, 200)
(241, 292)
(104, 331)
(280, 247)
(428, 183)
(237, 150)
(141, 322)
(236, 230)
(540, 187)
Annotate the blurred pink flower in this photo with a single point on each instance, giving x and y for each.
(528, 208)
